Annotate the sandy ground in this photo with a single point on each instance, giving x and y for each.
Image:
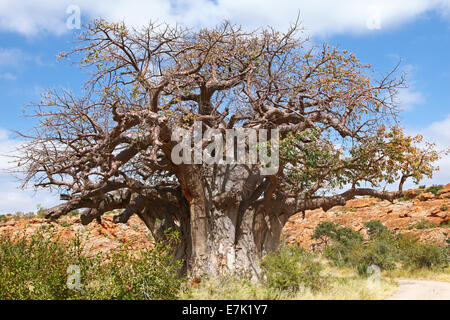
(422, 290)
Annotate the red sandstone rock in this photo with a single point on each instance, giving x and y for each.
(426, 196)
(94, 237)
(444, 190)
(399, 217)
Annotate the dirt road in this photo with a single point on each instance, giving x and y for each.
(422, 290)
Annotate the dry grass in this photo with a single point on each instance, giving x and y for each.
(341, 284)
(421, 274)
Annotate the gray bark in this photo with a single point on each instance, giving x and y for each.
(223, 226)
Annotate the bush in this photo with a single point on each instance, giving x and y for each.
(381, 252)
(416, 255)
(343, 241)
(37, 269)
(291, 267)
(147, 274)
(384, 249)
(342, 235)
(422, 225)
(337, 253)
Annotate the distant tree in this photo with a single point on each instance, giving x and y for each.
(111, 147)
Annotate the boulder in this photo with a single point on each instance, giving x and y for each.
(411, 194)
(444, 190)
(426, 196)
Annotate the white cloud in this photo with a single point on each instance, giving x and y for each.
(31, 17)
(12, 198)
(7, 76)
(11, 57)
(7, 146)
(14, 60)
(3, 134)
(438, 133)
(407, 98)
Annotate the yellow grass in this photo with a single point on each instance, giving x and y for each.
(341, 284)
(422, 274)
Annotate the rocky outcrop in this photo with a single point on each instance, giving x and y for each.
(445, 191)
(420, 214)
(94, 237)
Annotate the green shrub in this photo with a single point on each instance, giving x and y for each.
(343, 240)
(422, 225)
(290, 268)
(385, 250)
(37, 269)
(338, 254)
(381, 252)
(40, 212)
(434, 189)
(147, 274)
(416, 255)
(375, 228)
(336, 233)
(64, 224)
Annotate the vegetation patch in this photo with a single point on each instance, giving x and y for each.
(384, 249)
(434, 189)
(290, 268)
(37, 268)
(422, 225)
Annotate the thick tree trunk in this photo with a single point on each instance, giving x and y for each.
(230, 228)
(234, 243)
(223, 225)
(225, 243)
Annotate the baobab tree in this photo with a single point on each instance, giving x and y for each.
(112, 147)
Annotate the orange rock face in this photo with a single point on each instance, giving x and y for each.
(426, 196)
(445, 192)
(431, 217)
(94, 237)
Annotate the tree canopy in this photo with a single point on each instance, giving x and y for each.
(110, 148)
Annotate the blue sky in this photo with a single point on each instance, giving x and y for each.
(379, 32)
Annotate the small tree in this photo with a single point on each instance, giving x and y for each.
(111, 148)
